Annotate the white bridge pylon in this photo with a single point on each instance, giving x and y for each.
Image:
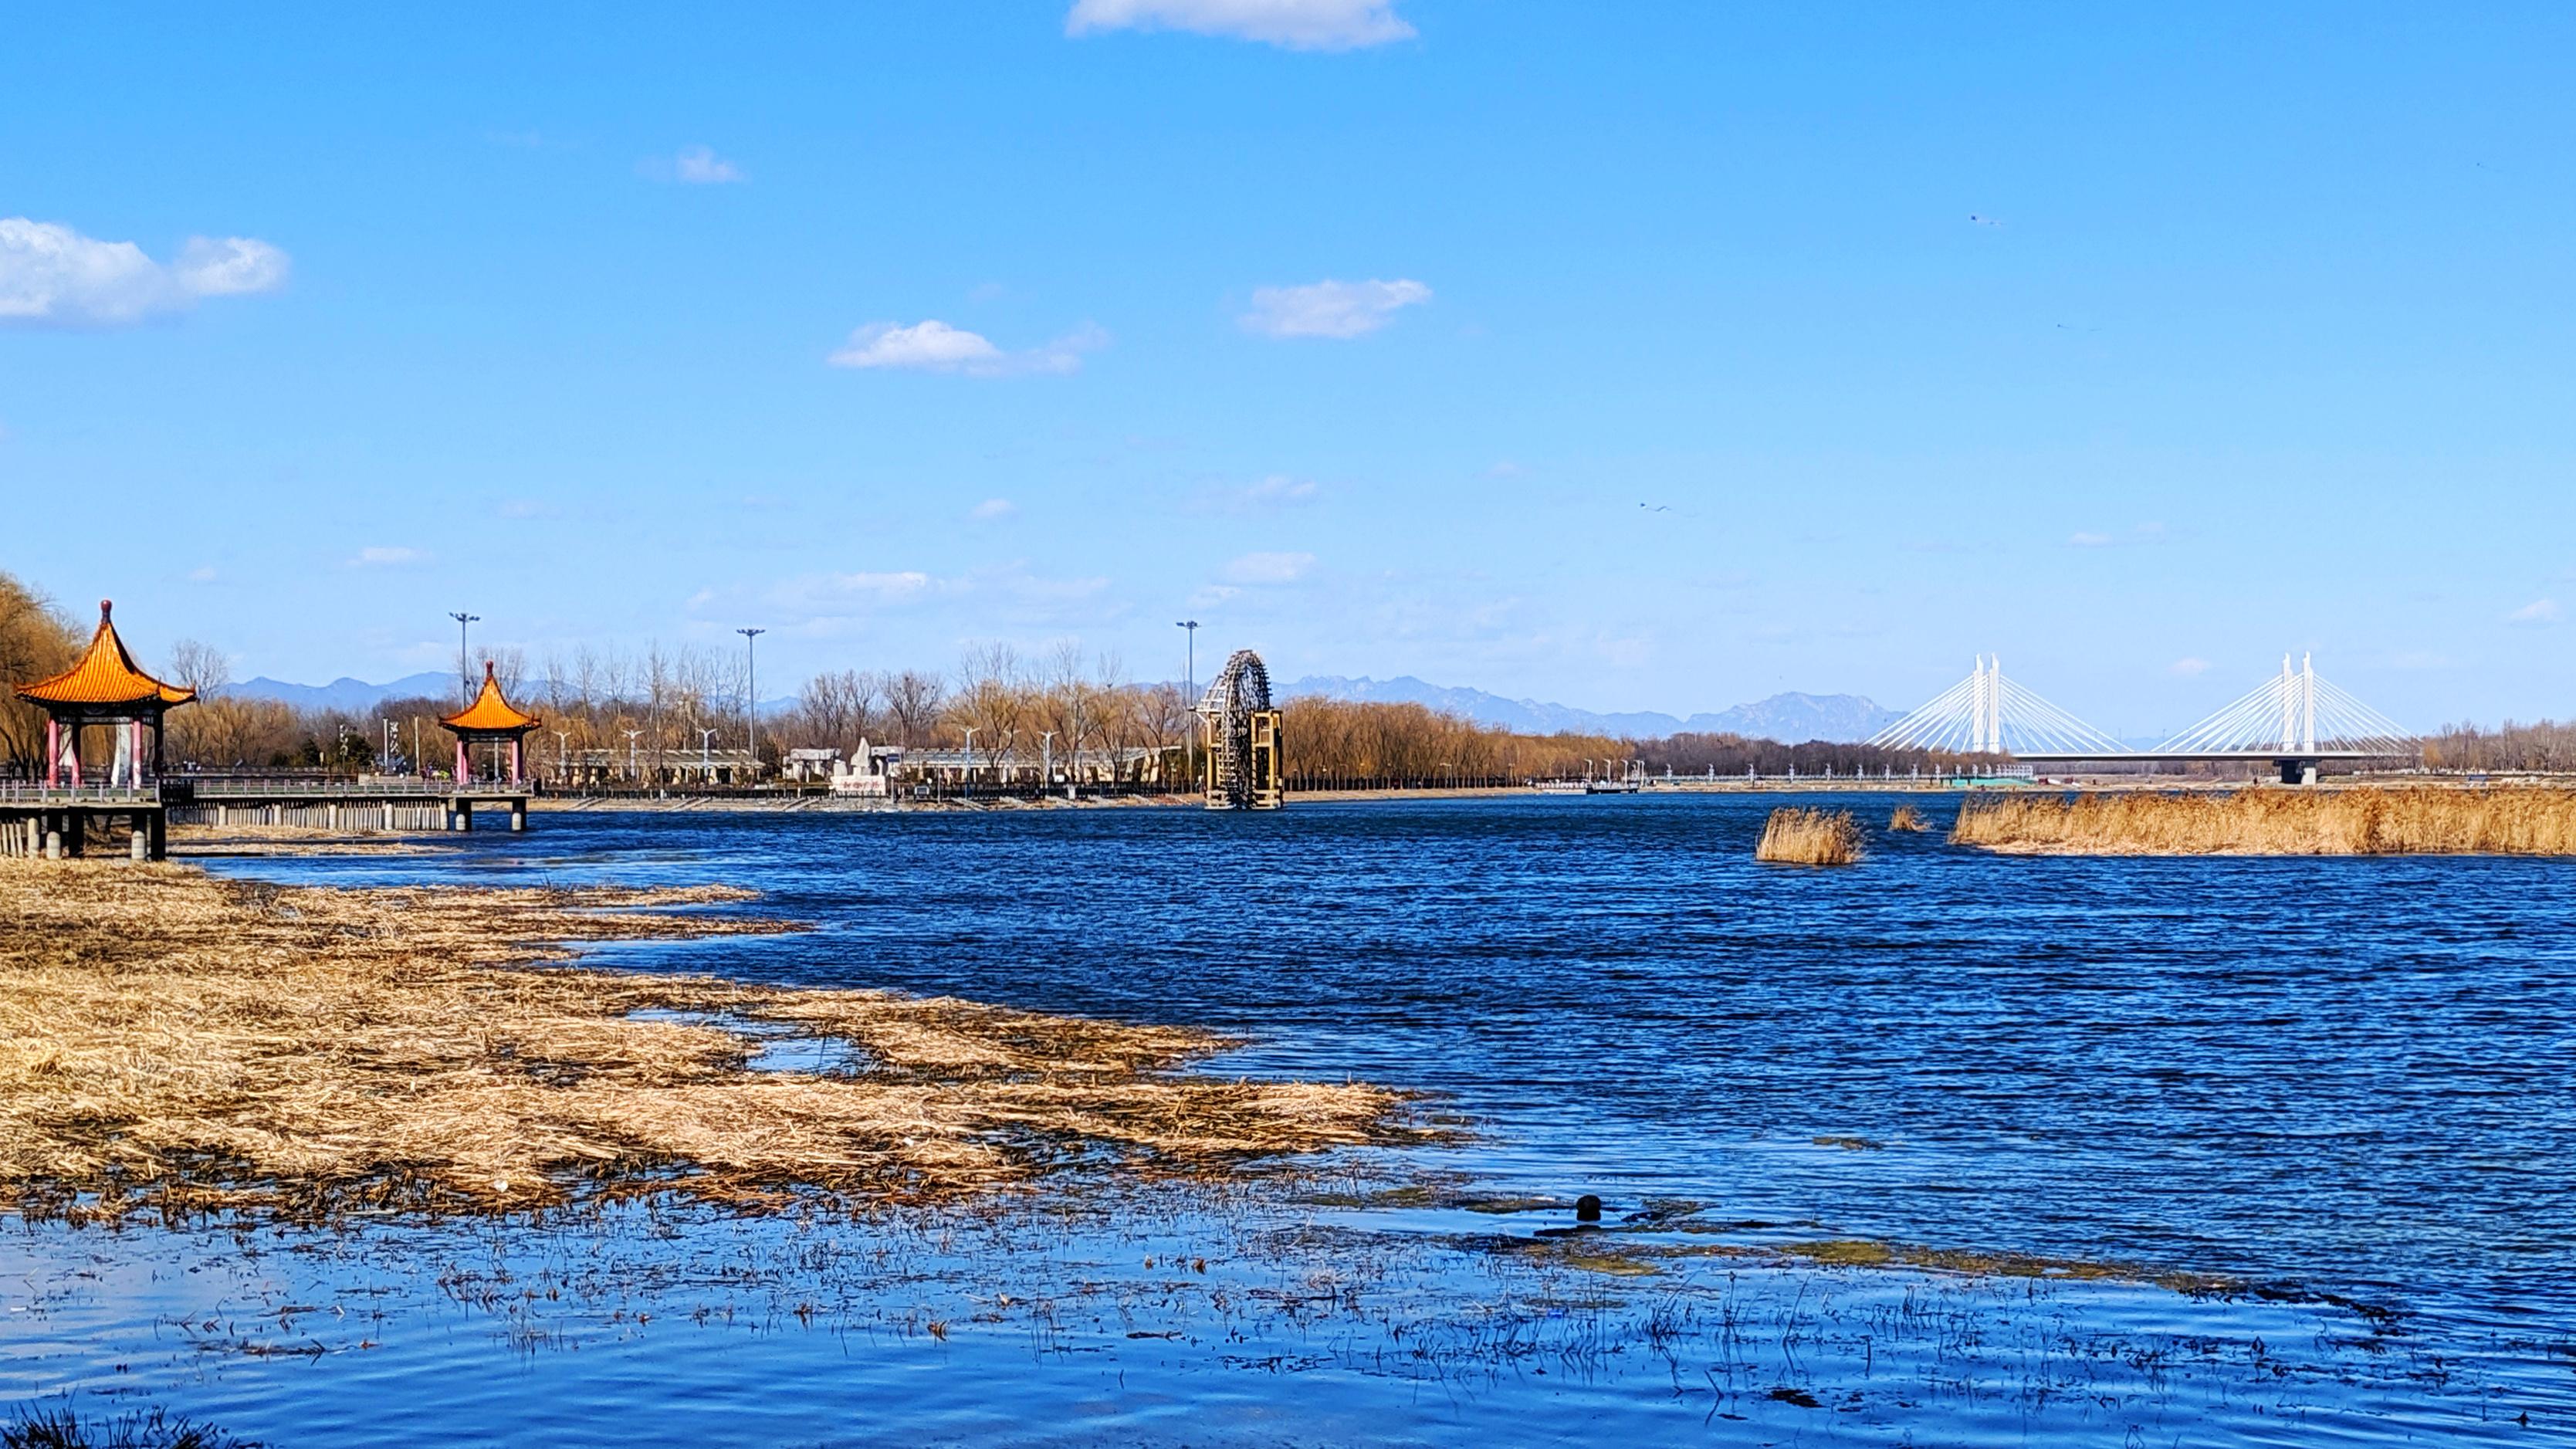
(2293, 715)
(1988, 714)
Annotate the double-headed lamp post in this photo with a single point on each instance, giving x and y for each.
(464, 669)
(751, 695)
(1190, 696)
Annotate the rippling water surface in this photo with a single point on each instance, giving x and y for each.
(2343, 1082)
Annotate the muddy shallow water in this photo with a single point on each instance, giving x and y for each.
(2333, 1097)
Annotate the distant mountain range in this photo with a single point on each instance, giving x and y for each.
(351, 696)
(1791, 717)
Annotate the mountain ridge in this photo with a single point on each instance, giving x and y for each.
(1791, 716)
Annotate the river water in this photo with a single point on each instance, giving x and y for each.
(2344, 1089)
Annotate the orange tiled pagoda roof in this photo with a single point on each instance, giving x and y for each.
(490, 711)
(104, 676)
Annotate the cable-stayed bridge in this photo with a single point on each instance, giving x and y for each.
(2295, 719)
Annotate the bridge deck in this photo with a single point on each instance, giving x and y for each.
(2178, 757)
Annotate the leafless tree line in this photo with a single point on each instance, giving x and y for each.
(2545, 747)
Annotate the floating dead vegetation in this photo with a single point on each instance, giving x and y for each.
(1905, 818)
(2369, 820)
(174, 1043)
(1795, 836)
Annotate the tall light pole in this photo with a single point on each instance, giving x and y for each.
(706, 767)
(1190, 660)
(751, 694)
(563, 756)
(1190, 697)
(464, 671)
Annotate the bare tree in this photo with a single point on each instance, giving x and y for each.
(915, 700)
(197, 665)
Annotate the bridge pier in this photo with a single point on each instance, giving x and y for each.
(2297, 771)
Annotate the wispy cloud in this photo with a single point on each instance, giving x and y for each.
(1263, 495)
(381, 556)
(993, 510)
(1269, 568)
(701, 166)
(2188, 667)
(2536, 613)
(2144, 533)
(202, 574)
(934, 346)
(1330, 308)
(51, 275)
(1293, 24)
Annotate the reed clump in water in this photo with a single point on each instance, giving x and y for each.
(2372, 820)
(1906, 817)
(175, 1042)
(1809, 837)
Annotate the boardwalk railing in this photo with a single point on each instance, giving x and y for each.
(36, 792)
(318, 789)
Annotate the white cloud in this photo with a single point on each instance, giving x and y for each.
(203, 574)
(934, 346)
(1294, 24)
(53, 275)
(2538, 611)
(1329, 308)
(527, 508)
(2089, 540)
(2188, 668)
(992, 510)
(701, 166)
(381, 556)
(1269, 568)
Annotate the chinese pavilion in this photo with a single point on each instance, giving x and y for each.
(490, 719)
(103, 687)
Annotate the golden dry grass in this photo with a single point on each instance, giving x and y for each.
(175, 1042)
(1809, 837)
(2357, 821)
(1906, 817)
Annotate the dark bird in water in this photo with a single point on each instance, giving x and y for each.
(1983, 220)
(1657, 508)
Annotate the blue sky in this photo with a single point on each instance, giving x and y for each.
(1641, 356)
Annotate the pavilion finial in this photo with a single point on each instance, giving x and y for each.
(105, 607)
(487, 669)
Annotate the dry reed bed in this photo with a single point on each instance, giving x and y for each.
(173, 1042)
(1907, 818)
(2357, 821)
(1809, 837)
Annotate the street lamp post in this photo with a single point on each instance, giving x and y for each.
(1046, 759)
(563, 757)
(1190, 695)
(630, 752)
(464, 670)
(970, 757)
(751, 694)
(706, 770)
